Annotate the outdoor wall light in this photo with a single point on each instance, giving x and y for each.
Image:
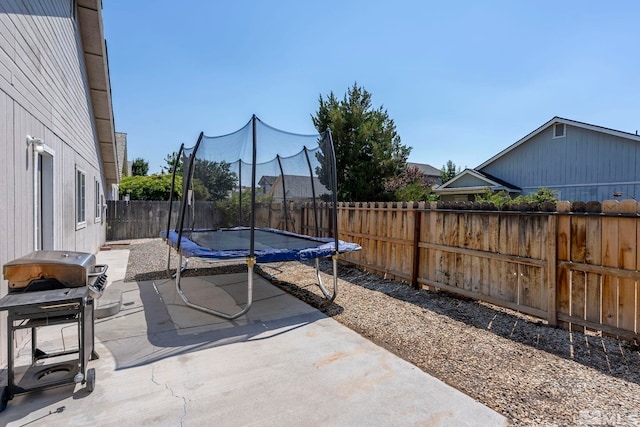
(38, 143)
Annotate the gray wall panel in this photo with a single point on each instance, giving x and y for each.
(584, 165)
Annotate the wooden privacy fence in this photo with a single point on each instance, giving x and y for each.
(572, 268)
(139, 219)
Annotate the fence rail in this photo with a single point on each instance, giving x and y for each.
(574, 269)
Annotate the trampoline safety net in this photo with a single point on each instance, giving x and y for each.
(257, 177)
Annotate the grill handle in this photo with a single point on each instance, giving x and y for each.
(99, 270)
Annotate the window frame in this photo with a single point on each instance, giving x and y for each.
(97, 202)
(555, 130)
(80, 198)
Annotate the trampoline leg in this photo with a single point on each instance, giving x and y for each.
(182, 269)
(250, 264)
(326, 293)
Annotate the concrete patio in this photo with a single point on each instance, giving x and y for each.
(284, 363)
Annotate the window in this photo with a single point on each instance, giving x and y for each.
(559, 130)
(98, 211)
(81, 215)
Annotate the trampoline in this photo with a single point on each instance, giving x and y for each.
(254, 196)
(271, 245)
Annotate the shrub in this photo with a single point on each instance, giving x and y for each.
(502, 198)
(153, 187)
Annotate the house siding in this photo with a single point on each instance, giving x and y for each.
(584, 165)
(44, 93)
(468, 181)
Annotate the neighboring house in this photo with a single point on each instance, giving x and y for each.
(58, 157)
(125, 166)
(299, 188)
(121, 152)
(580, 161)
(431, 173)
(266, 182)
(469, 183)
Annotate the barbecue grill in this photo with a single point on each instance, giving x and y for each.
(48, 288)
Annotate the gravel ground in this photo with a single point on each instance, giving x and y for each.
(533, 374)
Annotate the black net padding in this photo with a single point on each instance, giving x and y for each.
(259, 177)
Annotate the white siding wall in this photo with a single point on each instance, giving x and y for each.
(44, 93)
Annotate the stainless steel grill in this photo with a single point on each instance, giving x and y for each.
(48, 288)
(47, 270)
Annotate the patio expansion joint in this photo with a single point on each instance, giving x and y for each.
(173, 394)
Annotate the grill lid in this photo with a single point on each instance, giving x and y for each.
(70, 268)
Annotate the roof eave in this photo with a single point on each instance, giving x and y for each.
(97, 67)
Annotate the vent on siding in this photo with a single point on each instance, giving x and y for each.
(559, 130)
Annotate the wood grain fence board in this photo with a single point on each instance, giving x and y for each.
(513, 247)
(637, 329)
(474, 270)
(386, 230)
(627, 287)
(482, 233)
(610, 245)
(494, 269)
(563, 292)
(401, 248)
(532, 283)
(552, 269)
(369, 247)
(410, 247)
(467, 261)
(541, 234)
(431, 237)
(458, 269)
(593, 255)
(441, 260)
(578, 252)
(404, 249)
(627, 293)
(508, 245)
(453, 231)
(578, 282)
(445, 257)
(439, 255)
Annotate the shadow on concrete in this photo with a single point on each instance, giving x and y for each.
(155, 323)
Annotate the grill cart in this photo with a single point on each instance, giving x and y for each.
(48, 288)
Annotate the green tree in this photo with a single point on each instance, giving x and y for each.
(139, 167)
(367, 146)
(171, 160)
(411, 185)
(448, 171)
(216, 177)
(153, 187)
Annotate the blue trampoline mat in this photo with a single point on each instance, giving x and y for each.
(270, 245)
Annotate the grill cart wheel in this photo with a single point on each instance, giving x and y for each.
(91, 379)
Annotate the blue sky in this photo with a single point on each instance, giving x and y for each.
(461, 79)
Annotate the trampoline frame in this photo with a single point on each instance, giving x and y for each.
(250, 259)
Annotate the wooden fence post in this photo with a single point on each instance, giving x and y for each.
(552, 255)
(415, 264)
